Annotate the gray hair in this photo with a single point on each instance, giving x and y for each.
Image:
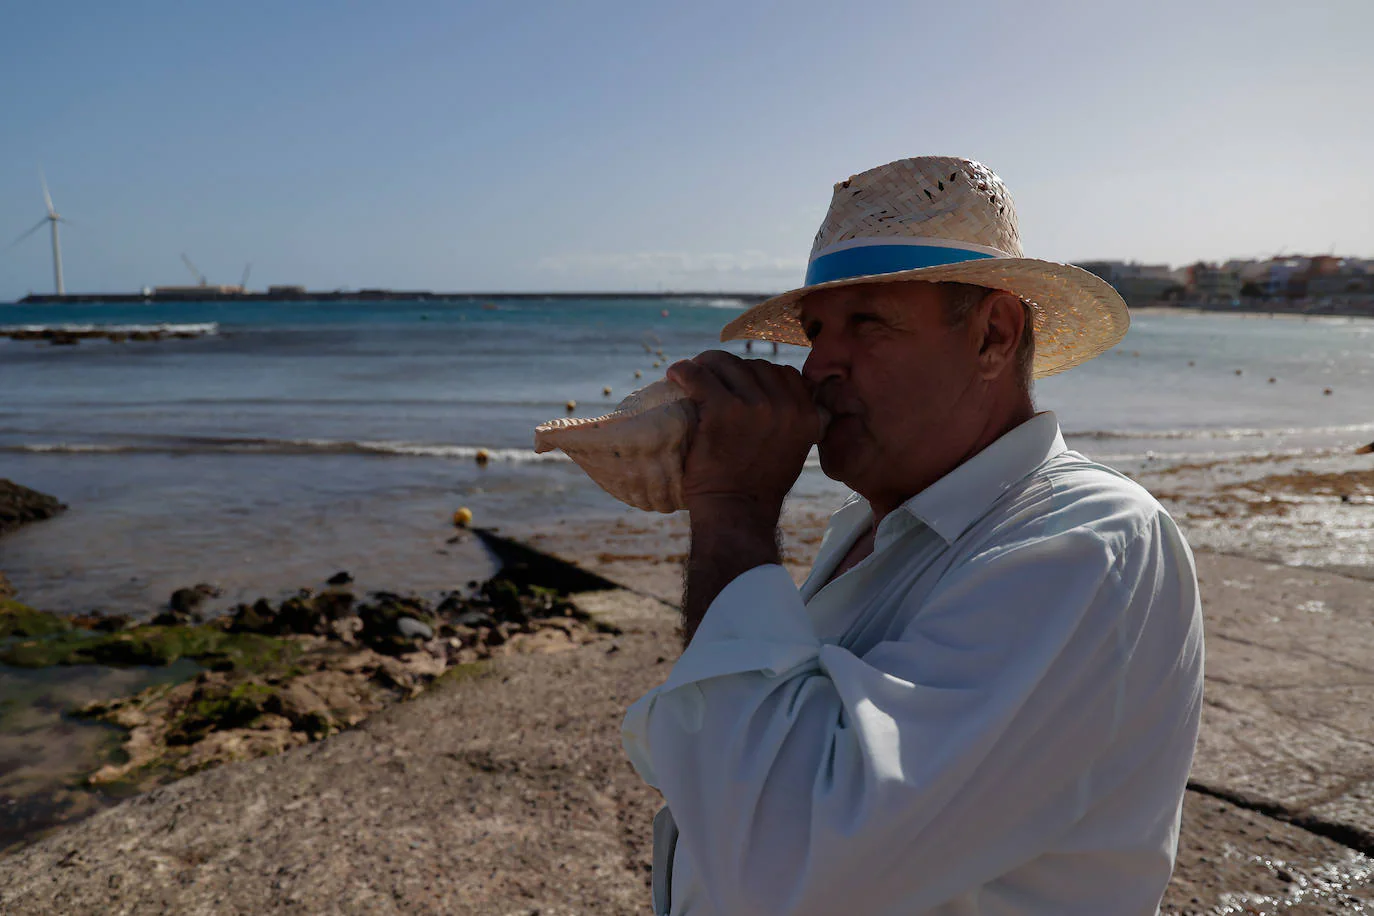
(960, 301)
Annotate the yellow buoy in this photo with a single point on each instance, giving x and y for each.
(638, 374)
(463, 517)
(606, 391)
(482, 457)
(657, 364)
(571, 405)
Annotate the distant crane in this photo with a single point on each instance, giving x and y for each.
(243, 282)
(52, 219)
(195, 271)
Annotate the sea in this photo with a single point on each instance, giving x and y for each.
(286, 441)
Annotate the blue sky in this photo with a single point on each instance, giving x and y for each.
(598, 145)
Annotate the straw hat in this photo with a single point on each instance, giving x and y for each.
(942, 219)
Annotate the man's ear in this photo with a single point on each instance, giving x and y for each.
(1003, 320)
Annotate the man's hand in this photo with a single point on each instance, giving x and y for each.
(756, 424)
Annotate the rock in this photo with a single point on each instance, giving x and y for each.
(20, 505)
(345, 630)
(302, 615)
(20, 620)
(381, 618)
(342, 577)
(475, 617)
(184, 605)
(149, 645)
(186, 601)
(6, 590)
(101, 621)
(217, 705)
(173, 619)
(260, 617)
(411, 628)
(334, 604)
(504, 597)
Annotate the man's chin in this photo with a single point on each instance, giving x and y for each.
(835, 462)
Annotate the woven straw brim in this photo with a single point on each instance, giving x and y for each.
(1077, 315)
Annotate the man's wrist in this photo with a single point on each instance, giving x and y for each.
(730, 536)
(738, 514)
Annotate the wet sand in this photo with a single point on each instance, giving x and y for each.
(510, 793)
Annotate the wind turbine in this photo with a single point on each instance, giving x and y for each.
(51, 219)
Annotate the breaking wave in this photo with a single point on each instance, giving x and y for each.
(1232, 433)
(189, 445)
(203, 329)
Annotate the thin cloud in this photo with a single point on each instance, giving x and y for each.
(660, 266)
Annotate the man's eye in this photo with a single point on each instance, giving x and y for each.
(864, 318)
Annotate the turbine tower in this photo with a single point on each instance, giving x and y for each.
(52, 219)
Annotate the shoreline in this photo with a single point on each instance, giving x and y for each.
(187, 693)
(1251, 313)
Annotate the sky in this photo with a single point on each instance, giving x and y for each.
(644, 146)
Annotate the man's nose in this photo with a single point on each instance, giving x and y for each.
(825, 362)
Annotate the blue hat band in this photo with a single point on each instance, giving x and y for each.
(869, 260)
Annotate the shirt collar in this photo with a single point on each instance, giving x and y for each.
(957, 500)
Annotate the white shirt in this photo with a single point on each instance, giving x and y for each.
(993, 713)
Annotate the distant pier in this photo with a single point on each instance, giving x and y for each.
(299, 294)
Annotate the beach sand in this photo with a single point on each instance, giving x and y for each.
(509, 793)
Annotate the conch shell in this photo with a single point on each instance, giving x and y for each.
(635, 452)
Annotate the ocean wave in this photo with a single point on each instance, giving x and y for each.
(201, 329)
(258, 446)
(253, 446)
(1165, 458)
(1224, 433)
(722, 303)
(64, 448)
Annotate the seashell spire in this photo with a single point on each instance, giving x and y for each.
(636, 451)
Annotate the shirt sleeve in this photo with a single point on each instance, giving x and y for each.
(801, 775)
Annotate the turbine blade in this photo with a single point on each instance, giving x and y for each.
(47, 198)
(36, 226)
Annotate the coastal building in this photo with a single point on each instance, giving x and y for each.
(1212, 284)
(1286, 277)
(1138, 284)
(1338, 277)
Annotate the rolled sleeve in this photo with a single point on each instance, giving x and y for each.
(757, 624)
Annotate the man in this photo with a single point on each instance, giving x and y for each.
(985, 698)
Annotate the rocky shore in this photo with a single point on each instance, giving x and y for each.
(19, 506)
(269, 677)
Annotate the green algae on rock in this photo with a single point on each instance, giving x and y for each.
(146, 645)
(20, 620)
(266, 678)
